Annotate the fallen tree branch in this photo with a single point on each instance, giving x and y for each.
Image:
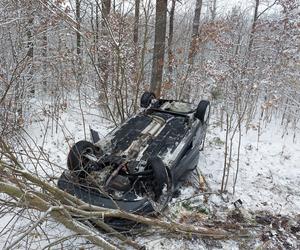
(35, 193)
(41, 220)
(59, 213)
(94, 212)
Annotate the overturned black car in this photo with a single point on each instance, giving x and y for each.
(141, 163)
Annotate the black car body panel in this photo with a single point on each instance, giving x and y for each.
(96, 198)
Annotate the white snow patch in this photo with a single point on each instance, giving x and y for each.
(269, 174)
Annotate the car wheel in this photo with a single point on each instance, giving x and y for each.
(202, 111)
(160, 176)
(77, 161)
(146, 99)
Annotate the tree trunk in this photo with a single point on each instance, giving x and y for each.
(106, 6)
(78, 37)
(136, 23)
(251, 38)
(253, 26)
(45, 49)
(170, 42)
(186, 88)
(97, 26)
(159, 46)
(195, 32)
(213, 10)
(136, 52)
(30, 49)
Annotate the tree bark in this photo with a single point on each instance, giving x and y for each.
(186, 88)
(106, 6)
(213, 10)
(195, 32)
(136, 23)
(45, 49)
(159, 46)
(136, 52)
(255, 17)
(29, 33)
(251, 38)
(170, 42)
(78, 37)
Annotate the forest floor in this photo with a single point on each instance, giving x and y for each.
(267, 193)
(268, 185)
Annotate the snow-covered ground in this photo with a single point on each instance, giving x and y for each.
(269, 171)
(268, 179)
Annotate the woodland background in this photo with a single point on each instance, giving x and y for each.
(95, 58)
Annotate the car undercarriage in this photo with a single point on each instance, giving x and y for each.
(142, 162)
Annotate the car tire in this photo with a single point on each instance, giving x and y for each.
(146, 99)
(76, 161)
(160, 176)
(202, 111)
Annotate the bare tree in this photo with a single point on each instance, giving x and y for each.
(78, 20)
(30, 45)
(136, 51)
(136, 23)
(185, 87)
(106, 7)
(195, 32)
(170, 42)
(254, 22)
(159, 46)
(45, 48)
(104, 61)
(213, 9)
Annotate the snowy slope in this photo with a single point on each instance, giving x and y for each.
(269, 174)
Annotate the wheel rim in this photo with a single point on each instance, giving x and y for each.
(84, 160)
